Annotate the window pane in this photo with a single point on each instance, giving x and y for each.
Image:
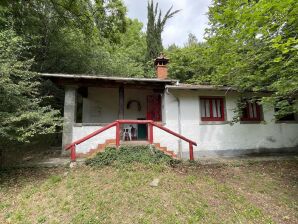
(214, 107)
(254, 105)
(219, 107)
(203, 109)
(207, 108)
(250, 109)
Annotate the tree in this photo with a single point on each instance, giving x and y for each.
(21, 113)
(155, 26)
(192, 40)
(68, 36)
(127, 58)
(253, 46)
(191, 63)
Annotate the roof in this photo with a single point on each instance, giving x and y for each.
(183, 86)
(169, 83)
(107, 78)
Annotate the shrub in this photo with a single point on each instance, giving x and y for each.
(130, 154)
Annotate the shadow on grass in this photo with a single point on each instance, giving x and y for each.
(21, 176)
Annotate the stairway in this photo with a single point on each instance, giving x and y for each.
(166, 151)
(99, 148)
(112, 143)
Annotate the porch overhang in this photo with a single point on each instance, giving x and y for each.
(107, 81)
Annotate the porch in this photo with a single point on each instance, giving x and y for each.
(93, 102)
(100, 106)
(73, 147)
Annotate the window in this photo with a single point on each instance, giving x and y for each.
(251, 112)
(212, 109)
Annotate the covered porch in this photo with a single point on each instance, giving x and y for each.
(92, 102)
(103, 105)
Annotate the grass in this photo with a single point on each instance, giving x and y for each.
(240, 192)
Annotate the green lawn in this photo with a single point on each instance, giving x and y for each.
(235, 192)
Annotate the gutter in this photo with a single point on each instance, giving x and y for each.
(179, 121)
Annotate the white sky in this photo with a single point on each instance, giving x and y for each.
(191, 19)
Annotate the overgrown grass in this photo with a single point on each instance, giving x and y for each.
(263, 192)
(129, 154)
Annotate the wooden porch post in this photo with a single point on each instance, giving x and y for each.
(121, 103)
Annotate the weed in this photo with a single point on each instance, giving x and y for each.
(54, 179)
(129, 154)
(191, 179)
(42, 219)
(3, 206)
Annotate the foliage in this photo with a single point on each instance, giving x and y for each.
(191, 63)
(84, 36)
(127, 58)
(253, 46)
(21, 116)
(155, 26)
(129, 154)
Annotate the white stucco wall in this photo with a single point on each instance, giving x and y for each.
(102, 107)
(92, 143)
(224, 136)
(140, 95)
(102, 104)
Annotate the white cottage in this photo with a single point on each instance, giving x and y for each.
(188, 121)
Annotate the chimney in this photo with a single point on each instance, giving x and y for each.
(161, 67)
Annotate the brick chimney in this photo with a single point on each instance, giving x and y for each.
(161, 67)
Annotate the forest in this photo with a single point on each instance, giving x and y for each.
(251, 45)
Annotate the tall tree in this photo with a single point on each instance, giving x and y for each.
(254, 47)
(155, 27)
(192, 40)
(22, 115)
(190, 63)
(67, 35)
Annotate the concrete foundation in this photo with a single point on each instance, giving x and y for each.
(234, 153)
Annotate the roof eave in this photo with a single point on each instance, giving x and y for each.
(112, 78)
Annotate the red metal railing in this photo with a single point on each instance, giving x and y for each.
(117, 123)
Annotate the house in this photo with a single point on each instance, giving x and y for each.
(190, 120)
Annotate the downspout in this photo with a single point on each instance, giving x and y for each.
(179, 122)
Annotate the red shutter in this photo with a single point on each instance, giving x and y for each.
(154, 107)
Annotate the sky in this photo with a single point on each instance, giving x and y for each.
(191, 19)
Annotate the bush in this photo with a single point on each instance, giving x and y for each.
(130, 154)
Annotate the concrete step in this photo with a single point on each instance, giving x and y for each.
(112, 143)
(133, 143)
(165, 150)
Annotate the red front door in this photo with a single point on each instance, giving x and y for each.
(154, 107)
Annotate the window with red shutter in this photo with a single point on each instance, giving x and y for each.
(251, 112)
(212, 108)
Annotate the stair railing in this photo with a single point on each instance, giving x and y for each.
(190, 142)
(117, 123)
(72, 146)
